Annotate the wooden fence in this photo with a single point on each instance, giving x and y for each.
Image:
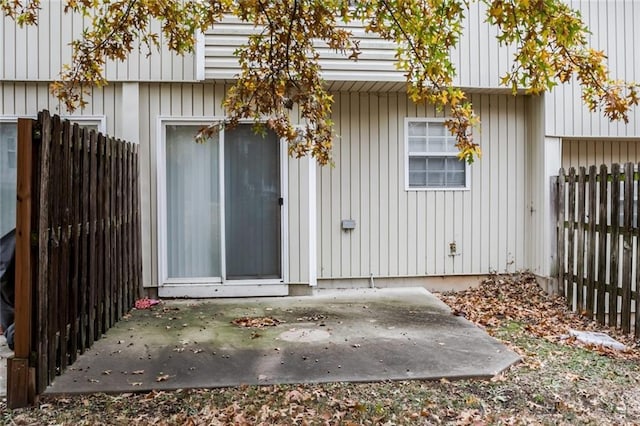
(598, 243)
(78, 260)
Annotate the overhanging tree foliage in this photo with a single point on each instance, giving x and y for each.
(280, 64)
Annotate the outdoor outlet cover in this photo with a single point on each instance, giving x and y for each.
(348, 224)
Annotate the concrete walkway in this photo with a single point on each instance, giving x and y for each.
(347, 336)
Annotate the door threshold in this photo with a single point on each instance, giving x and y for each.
(222, 290)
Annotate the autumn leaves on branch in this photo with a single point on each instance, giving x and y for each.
(280, 72)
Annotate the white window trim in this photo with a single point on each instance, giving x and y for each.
(163, 272)
(99, 120)
(467, 173)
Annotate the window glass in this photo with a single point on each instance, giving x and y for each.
(432, 157)
(8, 176)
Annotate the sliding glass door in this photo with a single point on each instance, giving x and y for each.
(223, 206)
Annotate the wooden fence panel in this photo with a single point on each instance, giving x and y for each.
(598, 223)
(85, 263)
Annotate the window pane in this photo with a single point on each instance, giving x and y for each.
(417, 179)
(438, 129)
(8, 176)
(417, 164)
(417, 145)
(436, 179)
(436, 172)
(436, 164)
(438, 145)
(417, 128)
(193, 204)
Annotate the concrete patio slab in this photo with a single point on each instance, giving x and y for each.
(334, 336)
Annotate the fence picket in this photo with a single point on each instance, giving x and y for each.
(561, 230)
(571, 217)
(627, 249)
(591, 244)
(76, 195)
(65, 221)
(54, 247)
(580, 241)
(637, 234)
(614, 245)
(602, 246)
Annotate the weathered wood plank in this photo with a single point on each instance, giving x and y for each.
(602, 246)
(627, 249)
(561, 231)
(571, 217)
(76, 200)
(100, 172)
(18, 385)
(108, 253)
(580, 251)
(118, 218)
(66, 170)
(93, 225)
(614, 245)
(85, 234)
(54, 246)
(138, 236)
(591, 250)
(637, 227)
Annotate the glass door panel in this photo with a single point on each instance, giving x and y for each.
(252, 204)
(193, 204)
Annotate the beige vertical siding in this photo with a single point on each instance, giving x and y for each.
(205, 100)
(613, 24)
(589, 152)
(26, 99)
(407, 233)
(38, 52)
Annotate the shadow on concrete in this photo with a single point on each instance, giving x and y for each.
(335, 336)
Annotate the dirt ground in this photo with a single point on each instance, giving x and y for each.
(558, 382)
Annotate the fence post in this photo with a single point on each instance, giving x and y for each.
(20, 376)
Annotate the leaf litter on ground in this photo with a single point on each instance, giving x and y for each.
(560, 382)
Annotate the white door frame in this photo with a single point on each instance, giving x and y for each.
(215, 286)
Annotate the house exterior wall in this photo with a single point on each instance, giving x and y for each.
(375, 69)
(26, 99)
(205, 100)
(37, 53)
(502, 222)
(407, 233)
(612, 23)
(589, 152)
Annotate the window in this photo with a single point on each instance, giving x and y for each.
(9, 163)
(432, 157)
(8, 174)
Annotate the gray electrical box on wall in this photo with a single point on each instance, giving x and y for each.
(348, 224)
